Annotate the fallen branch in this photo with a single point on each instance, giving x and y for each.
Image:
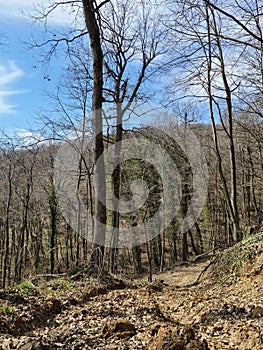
(204, 270)
(203, 254)
(199, 276)
(49, 275)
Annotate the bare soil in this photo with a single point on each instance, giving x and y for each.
(170, 313)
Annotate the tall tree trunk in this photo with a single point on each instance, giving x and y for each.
(91, 20)
(53, 225)
(6, 254)
(116, 184)
(230, 134)
(230, 196)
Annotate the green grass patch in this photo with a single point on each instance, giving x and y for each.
(7, 310)
(60, 286)
(26, 287)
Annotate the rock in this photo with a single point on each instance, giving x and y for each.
(257, 311)
(120, 329)
(197, 345)
(156, 286)
(175, 338)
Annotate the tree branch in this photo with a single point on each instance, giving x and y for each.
(100, 5)
(235, 20)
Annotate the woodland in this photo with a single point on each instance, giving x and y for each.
(208, 60)
(194, 281)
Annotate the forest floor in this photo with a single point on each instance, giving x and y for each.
(224, 310)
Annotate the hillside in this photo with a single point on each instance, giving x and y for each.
(212, 304)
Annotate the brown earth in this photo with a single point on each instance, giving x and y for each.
(170, 313)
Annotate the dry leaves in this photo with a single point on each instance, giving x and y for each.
(152, 316)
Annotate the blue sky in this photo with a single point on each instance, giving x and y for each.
(22, 84)
(23, 89)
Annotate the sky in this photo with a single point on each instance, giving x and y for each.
(23, 86)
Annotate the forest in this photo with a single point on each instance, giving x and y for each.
(172, 183)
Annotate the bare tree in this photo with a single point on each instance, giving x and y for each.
(91, 12)
(8, 167)
(208, 77)
(124, 44)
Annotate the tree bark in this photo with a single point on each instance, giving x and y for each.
(116, 184)
(91, 20)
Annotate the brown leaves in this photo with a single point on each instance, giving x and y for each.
(151, 316)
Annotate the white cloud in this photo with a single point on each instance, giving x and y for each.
(10, 73)
(29, 138)
(26, 8)
(6, 108)
(27, 135)
(14, 8)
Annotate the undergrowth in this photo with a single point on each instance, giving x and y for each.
(229, 264)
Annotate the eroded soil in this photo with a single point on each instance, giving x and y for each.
(166, 314)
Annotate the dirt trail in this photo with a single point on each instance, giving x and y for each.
(153, 316)
(181, 275)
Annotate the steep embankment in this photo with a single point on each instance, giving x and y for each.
(223, 311)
